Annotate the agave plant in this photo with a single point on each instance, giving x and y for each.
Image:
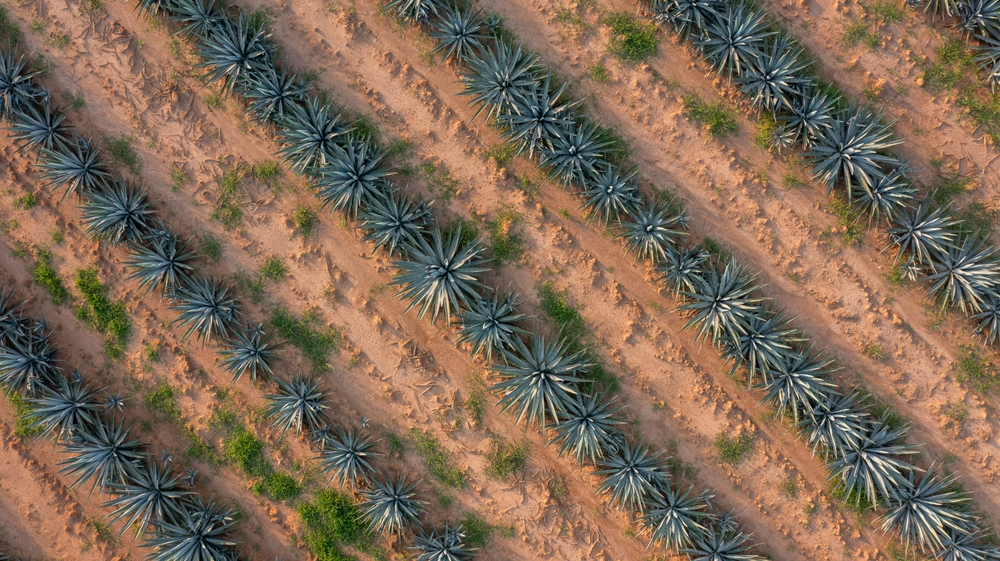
(965, 275)
(941, 7)
(27, 364)
(415, 11)
(233, 52)
(967, 546)
(989, 58)
(34, 127)
(352, 177)
(573, 155)
(118, 213)
(722, 302)
(889, 196)
(632, 475)
(772, 80)
(653, 229)
(871, 467)
(611, 193)
(460, 33)
(988, 326)
(924, 233)
(762, 343)
(17, 87)
(390, 506)
(490, 324)
(345, 456)
(835, 424)
(851, 150)
(798, 383)
(310, 134)
(394, 221)
(674, 519)
(200, 535)
(722, 542)
(76, 167)
(163, 262)
(64, 410)
(590, 429)
(536, 117)
(687, 16)
(151, 494)
(206, 307)
(979, 17)
(440, 275)
(447, 545)
(810, 115)
(298, 403)
(12, 322)
(249, 351)
(272, 93)
(502, 74)
(102, 453)
(734, 41)
(148, 8)
(539, 382)
(926, 512)
(197, 18)
(681, 269)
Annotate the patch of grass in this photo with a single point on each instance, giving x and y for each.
(103, 314)
(717, 117)
(57, 237)
(273, 269)
(599, 73)
(279, 486)
(9, 31)
(124, 153)
(501, 153)
(573, 328)
(974, 369)
(103, 531)
(211, 246)
(789, 487)
(859, 32)
(439, 463)
(23, 417)
(26, 201)
(333, 520)
(267, 171)
(178, 179)
(885, 11)
(475, 404)
(365, 128)
(977, 219)
(874, 352)
(505, 459)
(316, 344)
(44, 274)
(305, 220)
(733, 450)
(506, 244)
(245, 451)
(849, 220)
(983, 107)
(91, 7)
(225, 419)
(440, 182)
(58, 40)
(228, 208)
(164, 401)
(954, 61)
(957, 413)
(631, 40)
(477, 530)
(947, 187)
(715, 249)
(881, 409)
(766, 128)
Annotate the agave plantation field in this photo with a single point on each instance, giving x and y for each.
(330, 279)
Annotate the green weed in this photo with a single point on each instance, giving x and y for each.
(316, 344)
(631, 40)
(720, 120)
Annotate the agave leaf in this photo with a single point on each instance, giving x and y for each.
(394, 221)
(924, 233)
(681, 269)
(27, 363)
(17, 86)
(446, 545)
(835, 424)
(573, 155)
(198, 18)
(798, 383)
(76, 167)
(163, 262)
(722, 302)
(688, 16)
(309, 135)
(234, 52)
(735, 40)
(460, 32)
(34, 127)
(773, 79)
(965, 275)
(611, 194)
(764, 342)
(890, 195)
(535, 117)
(810, 115)
(722, 542)
(272, 93)
(653, 229)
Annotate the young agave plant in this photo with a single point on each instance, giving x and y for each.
(590, 429)
(872, 468)
(890, 195)
(653, 229)
(798, 383)
(573, 155)
(460, 33)
(674, 519)
(76, 167)
(979, 17)
(926, 513)
(233, 52)
(207, 308)
(197, 18)
(415, 11)
(310, 134)
(681, 269)
(851, 151)
(722, 302)
(118, 214)
(41, 127)
(151, 495)
(297, 404)
(447, 545)
(27, 364)
(632, 475)
(611, 193)
(722, 542)
(352, 177)
(772, 80)
(394, 221)
(539, 382)
(490, 324)
(163, 263)
(810, 115)
(201, 534)
(688, 16)
(440, 275)
(732, 42)
(249, 351)
(390, 506)
(536, 117)
(502, 74)
(835, 424)
(64, 410)
(345, 456)
(17, 87)
(924, 233)
(988, 326)
(272, 93)
(763, 342)
(102, 453)
(965, 275)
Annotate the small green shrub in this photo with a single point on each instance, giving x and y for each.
(26, 201)
(44, 274)
(305, 220)
(506, 244)
(505, 459)
(211, 246)
(124, 153)
(477, 530)
(266, 171)
(273, 269)
(245, 451)
(733, 450)
(106, 316)
(279, 486)
(23, 417)
(316, 344)
(720, 120)
(333, 520)
(631, 40)
(164, 401)
(974, 369)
